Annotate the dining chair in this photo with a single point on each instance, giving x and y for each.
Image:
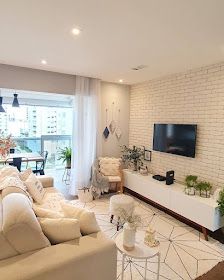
(40, 165)
(17, 162)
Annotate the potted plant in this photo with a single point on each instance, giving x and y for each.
(133, 155)
(220, 202)
(191, 182)
(65, 155)
(204, 188)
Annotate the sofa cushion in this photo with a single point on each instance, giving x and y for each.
(20, 226)
(6, 250)
(8, 171)
(87, 219)
(35, 188)
(24, 175)
(13, 189)
(46, 213)
(60, 229)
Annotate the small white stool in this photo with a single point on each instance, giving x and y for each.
(118, 202)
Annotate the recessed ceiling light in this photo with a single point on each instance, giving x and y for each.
(76, 31)
(120, 81)
(43, 61)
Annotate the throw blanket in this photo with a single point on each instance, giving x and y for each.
(100, 183)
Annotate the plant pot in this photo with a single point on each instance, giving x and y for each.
(129, 233)
(190, 191)
(205, 193)
(68, 163)
(85, 195)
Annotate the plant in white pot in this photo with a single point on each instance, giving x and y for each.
(131, 222)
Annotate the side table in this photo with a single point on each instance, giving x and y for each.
(141, 251)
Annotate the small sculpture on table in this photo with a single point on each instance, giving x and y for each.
(150, 237)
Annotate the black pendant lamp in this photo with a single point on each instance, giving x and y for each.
(2, 110)
(15, 102)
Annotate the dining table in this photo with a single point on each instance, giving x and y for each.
(26, 157)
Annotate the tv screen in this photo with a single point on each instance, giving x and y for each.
(179, 139)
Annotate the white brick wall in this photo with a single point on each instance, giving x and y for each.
(194, 97)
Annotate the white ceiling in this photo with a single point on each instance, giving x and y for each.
(166, 35)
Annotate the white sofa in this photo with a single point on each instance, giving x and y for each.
(90, 257)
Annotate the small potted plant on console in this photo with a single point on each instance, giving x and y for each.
(191, 182)
(204, 188)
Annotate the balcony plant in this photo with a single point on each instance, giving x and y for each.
(204, 188)
(220, 202)
(133, 156)
(65, 155)
(191, 182)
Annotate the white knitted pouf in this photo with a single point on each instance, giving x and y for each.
(118, 202)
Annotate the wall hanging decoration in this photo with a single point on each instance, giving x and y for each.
(106, 131)
(112, 125)
(118, 131)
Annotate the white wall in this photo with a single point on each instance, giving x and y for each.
(120, 95)
(193, 97)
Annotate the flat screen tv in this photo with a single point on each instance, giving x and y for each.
(179, 139)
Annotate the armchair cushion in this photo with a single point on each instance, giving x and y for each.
(109, 166)
(114, 179)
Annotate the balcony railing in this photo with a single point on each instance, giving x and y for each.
(50, 143)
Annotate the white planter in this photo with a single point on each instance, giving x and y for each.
(85, 195)
(129, 237)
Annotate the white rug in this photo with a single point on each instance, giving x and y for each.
(184, 252)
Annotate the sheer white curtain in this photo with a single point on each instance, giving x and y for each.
(86, 144)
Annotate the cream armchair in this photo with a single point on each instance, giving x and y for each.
(111, 169)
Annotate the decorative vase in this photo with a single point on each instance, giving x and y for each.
(129, 233)
(190, 190)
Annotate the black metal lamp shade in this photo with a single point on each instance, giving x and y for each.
(2, 110)
(15, 102)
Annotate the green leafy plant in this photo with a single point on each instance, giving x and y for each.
(133, 155)
(220, 202)
(204, 188)
(65, 155)
(191, 181)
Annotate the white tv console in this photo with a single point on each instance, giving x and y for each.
(201, 211)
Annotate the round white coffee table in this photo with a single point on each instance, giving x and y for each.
(141, 251)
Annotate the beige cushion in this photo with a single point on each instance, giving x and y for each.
(60, 229)
(46, 213)
(46, 181)
(6, 250)
(87, 219)
(109, 166)
(20, 226)
(25, 174)
(12, 189)
(113, 179)
(12, 181)
(35, 188)
(8, 171)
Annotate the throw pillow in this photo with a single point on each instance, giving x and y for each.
(46, 213)
(60, 230)
(25, 174)
(8, 171)
(87, 219)
(35, 188)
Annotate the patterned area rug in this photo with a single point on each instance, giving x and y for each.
(184, 252)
